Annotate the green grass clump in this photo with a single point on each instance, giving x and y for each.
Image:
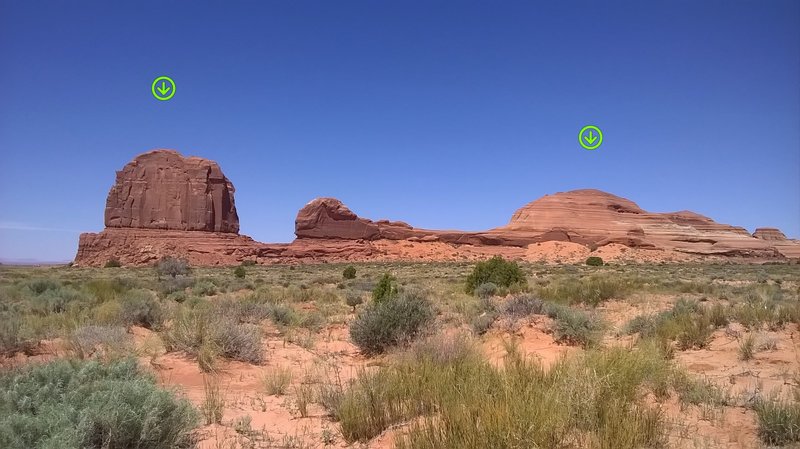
(498, 271)
(592, 400)
(390, 322)
(688, 323)
(72, 404)
(778, 421)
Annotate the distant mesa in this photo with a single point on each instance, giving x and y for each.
(163, 203)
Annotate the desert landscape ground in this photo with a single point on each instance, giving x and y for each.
(400, 355)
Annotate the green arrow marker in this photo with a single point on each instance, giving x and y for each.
(588, 140)
(167, 85)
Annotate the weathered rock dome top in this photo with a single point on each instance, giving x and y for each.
(162, 189)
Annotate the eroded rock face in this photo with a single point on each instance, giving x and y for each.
(161, 189)
(771, 234)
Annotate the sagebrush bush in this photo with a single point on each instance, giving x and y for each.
(240, 272)
(521, 306)
(205, 288)
(485, 290)
(113, 263)
(204, 334)
(574, 326)
(354, 299)
(386, 323)
(498, 271)
(349, 272)
(73, 404)
(594, 261)
(141, 308)
(103, 341)
(172, 267)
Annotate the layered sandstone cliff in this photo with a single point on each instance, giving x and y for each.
(165, 204)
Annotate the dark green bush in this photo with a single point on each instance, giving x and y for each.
(240, 272)
(594, 261)
(113, 263)
(498, 271)
(395, 320)
(71, 404)
(349, 272)
(385, 289)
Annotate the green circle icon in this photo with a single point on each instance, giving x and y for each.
(163, 88)
(588, 139)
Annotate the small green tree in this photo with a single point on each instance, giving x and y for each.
(498, 271)
(240, 272)
(385, 289)
(354, 299)
(349, 272)
(594, 261)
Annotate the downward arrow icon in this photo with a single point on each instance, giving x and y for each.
(164, 88)
(590, 138)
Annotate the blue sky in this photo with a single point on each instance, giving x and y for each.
(443, 114)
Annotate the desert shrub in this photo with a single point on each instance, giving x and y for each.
(386, 288)
(240, 272)
(204, 334)
(591, 290)
(747, 347)
(141, 308)
(39, 286)
(521, 306)
(382, 324)
(283, 315)
(354, 299)
(349, 272)
(501, 272)
(485, 290)
(778, 421)
(205, 288)
(12, 339)
(113, 263)
(178, 283)
(574, 326)
(70, 404)
(482, 323)
(55, 300)
(594, 261)
(249, 263)
(105, 341)
(688, 322)
(172, 267)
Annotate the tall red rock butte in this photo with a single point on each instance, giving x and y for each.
(164, 204)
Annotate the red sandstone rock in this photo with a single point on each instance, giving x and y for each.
(163, 204)
(771, 234)
(161, 189)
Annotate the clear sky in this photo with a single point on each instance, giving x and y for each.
(446, 115)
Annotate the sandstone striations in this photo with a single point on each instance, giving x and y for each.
(163, 190)
(165, 204)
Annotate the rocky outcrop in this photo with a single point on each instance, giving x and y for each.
(164, 204)
(163, 190)
(770, 234)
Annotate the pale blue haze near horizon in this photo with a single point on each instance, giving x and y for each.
(447, 115)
